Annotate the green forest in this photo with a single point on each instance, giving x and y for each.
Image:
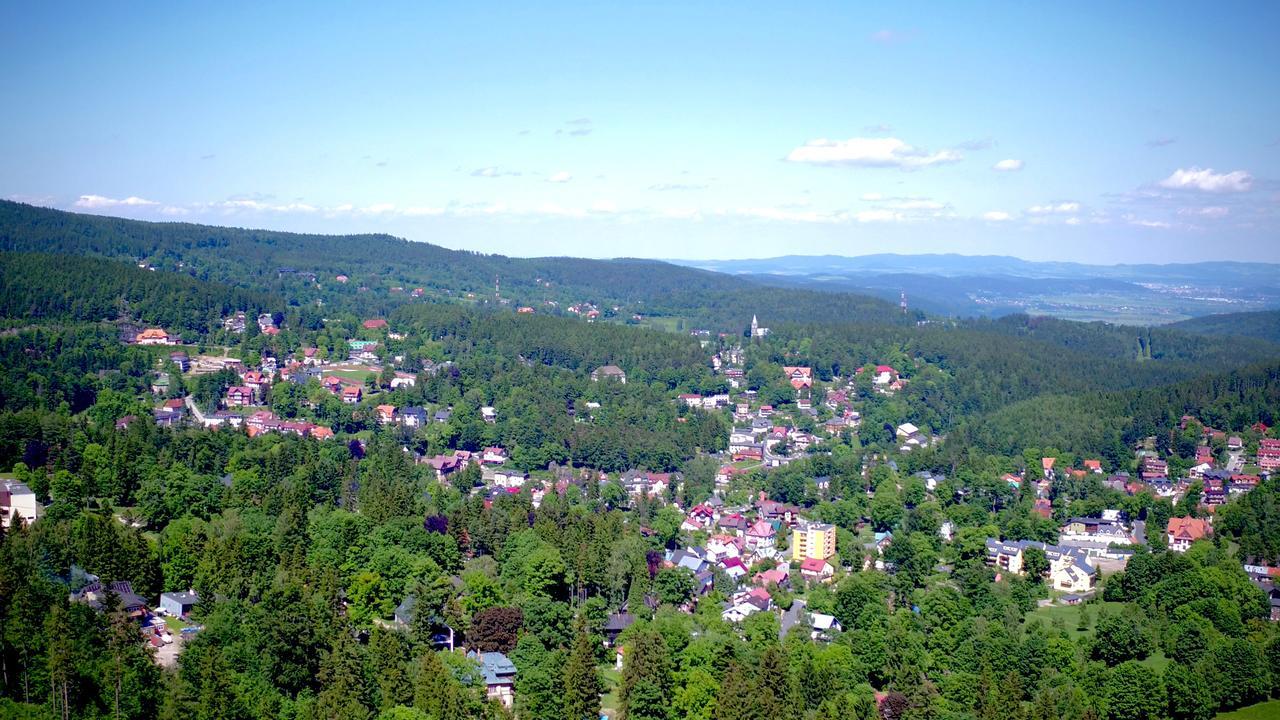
(334, 574)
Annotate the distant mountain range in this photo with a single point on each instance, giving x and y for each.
(994, 285)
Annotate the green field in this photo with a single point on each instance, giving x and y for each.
(348, 374)
(1262, 711)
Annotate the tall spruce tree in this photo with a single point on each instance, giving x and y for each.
(581, 679)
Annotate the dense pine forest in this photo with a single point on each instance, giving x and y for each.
(348, 574)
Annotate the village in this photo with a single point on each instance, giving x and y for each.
(760, 554)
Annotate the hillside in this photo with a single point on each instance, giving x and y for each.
(1264, 325)
(36, 286)
(1108, 424)
(382, 271)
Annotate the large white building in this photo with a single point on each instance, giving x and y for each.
(17, 499)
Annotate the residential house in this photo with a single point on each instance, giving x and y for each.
(722, 547)
(374, 324)
(235, 323)
(403, 380)
(780, 576)
(1046, 466)
(352, 395)
(1242, 483)
(1182, 531)
(885, 375)
(181, 360)
(446, 465)
(734, 568)
(816, 570)
(499, 676)
(823, 626)
(609, 372)
(155, 336)
(413, 416)
(95, 595)
(1153, 467)
(1099, 529)
(255, 381)
(178, 604)
(1215, 491)
(387, 414)
(1269, 454)
(489, 414)
(614, 626)
(1070, 569)
(801, 378)
(507, 479)
(760, 536)
(18, 500)
(493, 456)
(239, 396)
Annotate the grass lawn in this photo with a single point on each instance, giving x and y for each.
(1070, 615)
(612, 680)
(356, 375)
(1262, 711)
(665, 323)
(174, 624)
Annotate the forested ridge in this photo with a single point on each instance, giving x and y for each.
(1264, 325)
(1109, 424)
(274, 261)
(44, 287)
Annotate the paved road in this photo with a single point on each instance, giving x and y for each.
(195, 411)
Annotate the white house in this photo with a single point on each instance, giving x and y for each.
(16, 499)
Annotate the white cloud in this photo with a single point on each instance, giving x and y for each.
(995, 216)
(422, 211)
(560, 177)
(1009, 165)
(1212, 211)
(1207, 180)
(806, 216)
(870, 152)
(174, 211)
(493, 171)
(872, 197)
(1160, 224)
(917, 204)
(867, 216)
(98, 202)
(1066, 208)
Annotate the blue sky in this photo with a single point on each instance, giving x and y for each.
(1092, 132)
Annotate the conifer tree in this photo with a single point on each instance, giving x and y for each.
(581, 680)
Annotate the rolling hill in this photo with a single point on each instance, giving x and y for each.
(383, 270)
